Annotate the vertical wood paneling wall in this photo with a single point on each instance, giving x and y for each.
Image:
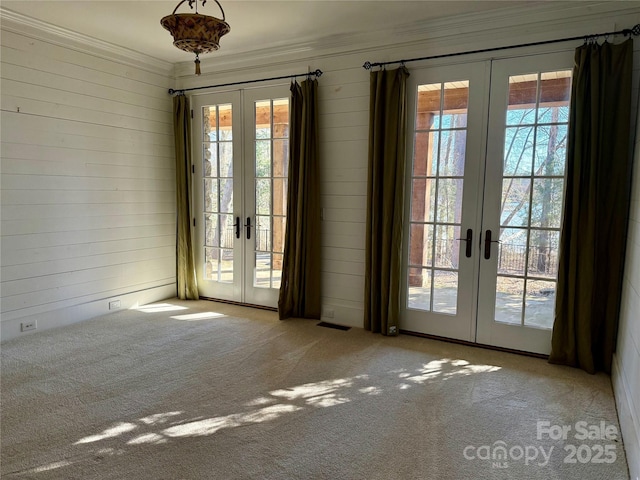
(88, 195)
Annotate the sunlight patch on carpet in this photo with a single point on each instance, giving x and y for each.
(49, 467)
(159, 418)
(321, 394)
(329, 400)
(152, 438)
(112, 432)
(259, 401)
(159, 307)
(442, 369)
(210, 426)
(371, 390)
(309, 390)
(190, 317)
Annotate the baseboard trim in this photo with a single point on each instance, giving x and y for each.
(240, 304)
(629, 422)
(10, 329)
(474, 344)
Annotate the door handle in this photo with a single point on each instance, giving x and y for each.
(487, 244)
(469, 243)
(248, 225)
(237, 225)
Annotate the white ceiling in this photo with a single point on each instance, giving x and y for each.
(254, 24)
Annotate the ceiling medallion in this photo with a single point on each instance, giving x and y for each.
(194, 32)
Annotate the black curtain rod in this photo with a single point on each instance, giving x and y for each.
(627, 31)
(317, 73)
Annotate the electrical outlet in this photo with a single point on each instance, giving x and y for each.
(328, 313)
(26, 326)
(114, 305)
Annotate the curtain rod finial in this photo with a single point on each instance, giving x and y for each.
(367, 65)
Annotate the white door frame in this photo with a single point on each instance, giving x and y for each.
(242, 289)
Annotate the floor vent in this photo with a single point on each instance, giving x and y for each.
(332, 325)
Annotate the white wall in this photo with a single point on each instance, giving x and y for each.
(88, 196)
(626, 368)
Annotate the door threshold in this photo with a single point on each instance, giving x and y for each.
(240, 304)
(473, 344)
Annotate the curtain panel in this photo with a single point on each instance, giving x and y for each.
(597, 197)
(185, 266)
(300, 286)
(385, 198)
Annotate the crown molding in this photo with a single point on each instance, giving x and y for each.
(450, 32)
(17, 23)
(533, 13)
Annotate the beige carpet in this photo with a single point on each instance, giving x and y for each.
(199, 390)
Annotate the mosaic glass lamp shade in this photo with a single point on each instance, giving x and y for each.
(194, 32)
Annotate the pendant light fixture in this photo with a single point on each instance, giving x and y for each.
(194, 32)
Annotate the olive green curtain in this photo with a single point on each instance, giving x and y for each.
(593, 238)
(185, 265)
(300, 285)
(385, 196)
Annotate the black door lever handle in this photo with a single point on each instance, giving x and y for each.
(248, 225)
(487, 244)
(237, 225)
(469, 242)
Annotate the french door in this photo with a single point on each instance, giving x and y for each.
(241, 157)
(486, 200)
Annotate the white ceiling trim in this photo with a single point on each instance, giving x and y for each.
(509, 17)
(39, 30)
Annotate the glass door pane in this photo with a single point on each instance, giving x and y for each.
(436, 196)
(217, 147)
(523, 205)
(532, 192)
